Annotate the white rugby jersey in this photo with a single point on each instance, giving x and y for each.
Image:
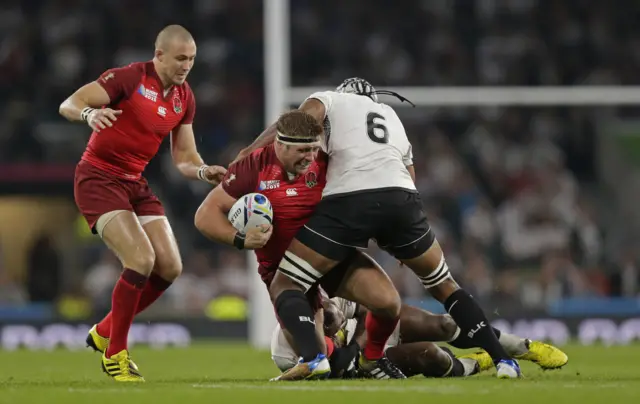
(366, 143)
(347, 307)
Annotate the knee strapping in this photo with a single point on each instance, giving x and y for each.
(299, 270)
(438, 276)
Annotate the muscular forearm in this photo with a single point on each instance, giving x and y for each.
(215, 226)
(189, 165)
(265, 139)
(72, 108)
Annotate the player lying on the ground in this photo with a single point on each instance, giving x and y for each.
(344, 341)
(291, 175)
(410, 346)
(131, 110)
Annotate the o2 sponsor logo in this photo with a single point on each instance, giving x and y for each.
(72, 337)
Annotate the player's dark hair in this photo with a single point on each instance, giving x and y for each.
(297, 124)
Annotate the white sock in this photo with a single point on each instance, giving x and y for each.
(513, 344)
(469, 366)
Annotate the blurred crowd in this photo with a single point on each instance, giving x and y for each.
(512, 193)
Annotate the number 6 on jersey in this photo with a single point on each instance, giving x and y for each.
(377, 131)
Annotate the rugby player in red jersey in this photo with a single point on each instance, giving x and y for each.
(131, 110)
(291, 174)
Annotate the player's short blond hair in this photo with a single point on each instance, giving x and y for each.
(171, 32)
(296, 127)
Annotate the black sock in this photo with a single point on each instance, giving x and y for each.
(297, 317)
(471, 319)
(463, 341)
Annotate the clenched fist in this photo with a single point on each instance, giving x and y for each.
(212, 174)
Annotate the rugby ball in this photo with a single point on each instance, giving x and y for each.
(251, 210)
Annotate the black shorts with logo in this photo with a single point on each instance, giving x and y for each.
(394, 217)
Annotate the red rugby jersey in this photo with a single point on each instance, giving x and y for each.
(148, 116)
(293, 201)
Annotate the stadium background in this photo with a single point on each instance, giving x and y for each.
(534, 205)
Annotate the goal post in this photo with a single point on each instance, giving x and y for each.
(281, 96)
(262, 318)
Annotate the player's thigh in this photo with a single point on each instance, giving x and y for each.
(416, 358)
(366, 283)
(409, 238)
(336, 228)
(300, 269)
(98, 193)
(406, 233)
(168, 264)
(126, 238)
(418, 325)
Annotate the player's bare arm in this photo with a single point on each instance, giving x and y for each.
(315, 108)
(311, 106)
(211, 220)
(86, 105)
(187, 159)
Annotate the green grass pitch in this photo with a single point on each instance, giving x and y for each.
(225, 373)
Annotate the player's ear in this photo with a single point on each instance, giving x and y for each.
(158, 54)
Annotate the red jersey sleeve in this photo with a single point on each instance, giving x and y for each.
(190, 112)
(120, 82)
(242, 176)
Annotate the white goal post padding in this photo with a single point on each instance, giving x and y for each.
(280, 96)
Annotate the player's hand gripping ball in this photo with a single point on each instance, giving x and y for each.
(252, 215)
(250, 211)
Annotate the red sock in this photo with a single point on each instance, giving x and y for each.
(153, 289)
(330, 346)
(124, 303)
(379, 330)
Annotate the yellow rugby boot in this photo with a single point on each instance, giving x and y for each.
(544, 355)
(96, 341)
(99, 343)
(119, 367)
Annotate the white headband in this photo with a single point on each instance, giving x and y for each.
(296, 141)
